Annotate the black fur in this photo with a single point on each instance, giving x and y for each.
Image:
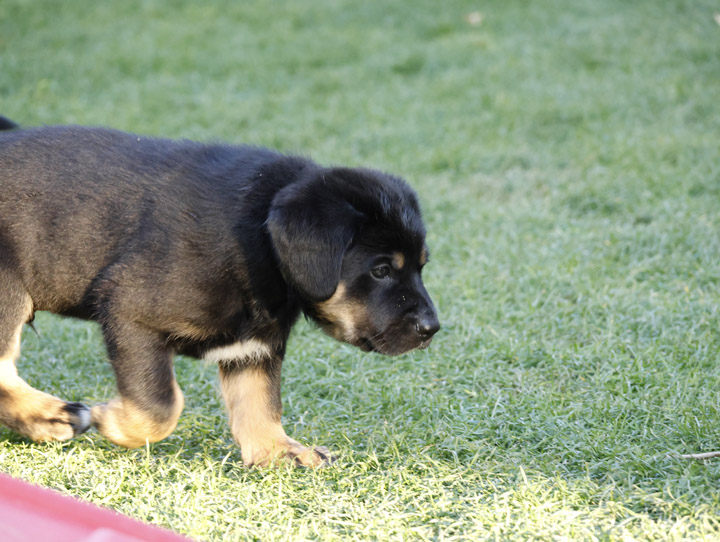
(177, 246)
(7, 124)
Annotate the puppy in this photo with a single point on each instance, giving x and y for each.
(206, 250)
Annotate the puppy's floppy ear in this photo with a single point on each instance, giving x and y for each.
(311, 224)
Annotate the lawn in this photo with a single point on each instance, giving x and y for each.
(567, 156)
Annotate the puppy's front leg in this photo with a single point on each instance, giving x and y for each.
(252, 396)
(149, 400)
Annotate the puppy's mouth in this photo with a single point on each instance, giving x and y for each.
(424, 344)
(389, 349)
(366, 345)
(388, 343)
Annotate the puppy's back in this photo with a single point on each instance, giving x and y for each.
(74, 200)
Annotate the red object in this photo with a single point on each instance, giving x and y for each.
(30, 514)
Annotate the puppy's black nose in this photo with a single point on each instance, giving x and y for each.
(427, 325)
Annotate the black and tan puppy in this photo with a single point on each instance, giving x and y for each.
(206, 250)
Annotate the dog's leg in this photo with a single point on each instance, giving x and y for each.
(149, 400)
(252, 396)
(24, 409)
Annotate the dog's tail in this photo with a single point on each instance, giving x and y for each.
(7, 124)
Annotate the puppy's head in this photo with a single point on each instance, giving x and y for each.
(352, 243)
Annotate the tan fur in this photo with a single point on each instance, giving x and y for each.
(28, 411)
(126, 424)
(344, 314)
(255, 423)
(423, 256)
(398, 260)
(187, 330)
(11, 355)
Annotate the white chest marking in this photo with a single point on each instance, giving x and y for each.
(251, 350)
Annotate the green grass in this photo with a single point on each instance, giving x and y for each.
(567, 157)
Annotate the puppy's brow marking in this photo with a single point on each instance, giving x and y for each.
(250, 350)
(398, 260)
(424, 256)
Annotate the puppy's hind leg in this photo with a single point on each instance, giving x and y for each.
(24, 409)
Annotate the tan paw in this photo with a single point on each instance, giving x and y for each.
(49, 419)
(286, 451)
(126, 424)
(319, 456)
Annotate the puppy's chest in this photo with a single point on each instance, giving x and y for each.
(244, 345)
(253, 350)
(252, 335)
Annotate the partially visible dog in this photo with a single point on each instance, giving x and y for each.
(206, 250)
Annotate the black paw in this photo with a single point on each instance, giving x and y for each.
(319, 456)
(79, 417)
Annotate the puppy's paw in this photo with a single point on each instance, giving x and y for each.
(286, 451)
(78, 417)
(319, 456)
(59, 420)
(126, 424)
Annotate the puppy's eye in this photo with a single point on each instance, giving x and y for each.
(381, 271)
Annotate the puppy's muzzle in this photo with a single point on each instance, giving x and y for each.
(425, 324)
